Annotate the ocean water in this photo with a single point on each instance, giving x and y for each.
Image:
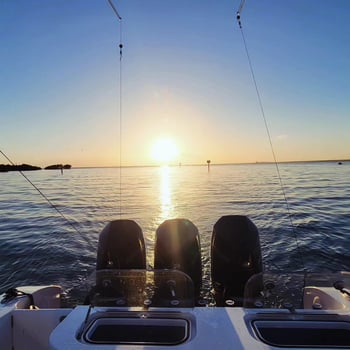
(39, 246)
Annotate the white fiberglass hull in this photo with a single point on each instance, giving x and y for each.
(205, 327)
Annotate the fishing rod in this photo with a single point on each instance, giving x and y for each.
(120, 100)
(49, 201)
(239, 21)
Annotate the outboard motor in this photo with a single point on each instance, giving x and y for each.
(235, 257)
(121, 246)
(178, 247)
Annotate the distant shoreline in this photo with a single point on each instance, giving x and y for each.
(216, 164)
(4, 168)
(28, 167)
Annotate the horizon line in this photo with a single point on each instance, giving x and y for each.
(215, 164)
(339, 160)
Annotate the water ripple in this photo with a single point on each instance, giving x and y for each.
(38, 246)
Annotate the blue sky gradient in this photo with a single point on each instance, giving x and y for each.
(185, 76)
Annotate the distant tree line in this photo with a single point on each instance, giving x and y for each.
(28, 167)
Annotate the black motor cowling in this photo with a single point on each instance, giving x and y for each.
(177, 247)
(235, 257)
(121, 246)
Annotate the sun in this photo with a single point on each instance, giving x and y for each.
(164, 150)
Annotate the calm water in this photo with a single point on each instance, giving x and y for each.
(37, 246)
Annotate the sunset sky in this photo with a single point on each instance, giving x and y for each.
(185, 80)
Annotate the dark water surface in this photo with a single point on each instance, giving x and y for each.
(37, 246)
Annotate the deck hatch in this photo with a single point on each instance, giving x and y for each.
(303, 333)
(147, 331)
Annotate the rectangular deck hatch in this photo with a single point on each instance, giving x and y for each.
(147, 331)
(303, 333)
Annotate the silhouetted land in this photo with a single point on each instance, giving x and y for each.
(58, 166)
(22, 167)
(27, 167)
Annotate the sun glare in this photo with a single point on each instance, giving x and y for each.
(164, 150)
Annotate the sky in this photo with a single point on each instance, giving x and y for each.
(184, 76)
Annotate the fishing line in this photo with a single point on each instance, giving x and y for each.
(238, 16)
(50, 202)
(120, 101)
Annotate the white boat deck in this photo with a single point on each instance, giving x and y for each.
(324, 322)
(207, 327)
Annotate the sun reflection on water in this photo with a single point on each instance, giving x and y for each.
(165, 192)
